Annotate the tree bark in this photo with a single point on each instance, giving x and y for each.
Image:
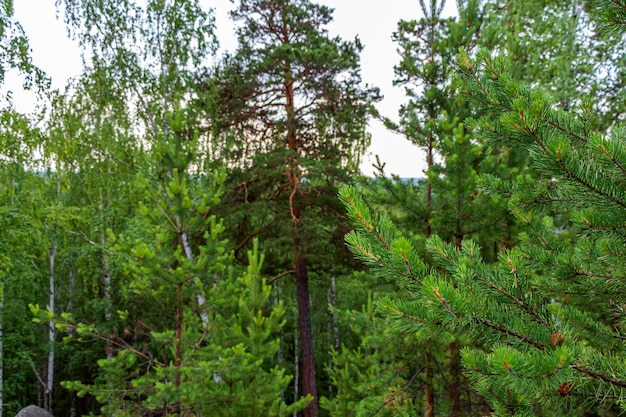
(454, 389)
(333, 301)
(51, 333)
(296, 378)
(106, 275)
(200, 296)
(309, 386)
(332, 327)
(429, 184)
(1, 346)
(306, 336)
(429, 408)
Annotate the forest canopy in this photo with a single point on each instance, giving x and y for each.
(186, 233)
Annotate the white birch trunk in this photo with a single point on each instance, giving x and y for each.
(332, 325)
(51, 333)
(333, 301)
(200, 297)
(106, 276)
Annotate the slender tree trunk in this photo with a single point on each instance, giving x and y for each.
(454, 367)
(199, 297)
(179, 342)
(429, 408)
(70, 306)
(454, 389)
(333, 301)
(296, 378)
(309, 386)
(51, 333)
(429, 394)
(329, 363)
(429, 185)
(106, 275)
(1, 346)
(306, 336)
(279, 354)
(332, 326)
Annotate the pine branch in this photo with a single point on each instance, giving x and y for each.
(571, 175)
(598, 375)
(509, 332)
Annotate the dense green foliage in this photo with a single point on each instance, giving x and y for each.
(547, 313)
(172, 224)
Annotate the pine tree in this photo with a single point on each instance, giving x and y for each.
(550, 309)
(184, 320)
(294, 114)
(448, 202)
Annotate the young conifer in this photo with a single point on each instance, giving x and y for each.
(551, 310)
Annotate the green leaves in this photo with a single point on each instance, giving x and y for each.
(15, 51)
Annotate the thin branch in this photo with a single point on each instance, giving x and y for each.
(279, 276)
(105, 154)
(598, 375)
(510, 332)
(245, 241)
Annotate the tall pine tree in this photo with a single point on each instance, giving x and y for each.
(295, 114)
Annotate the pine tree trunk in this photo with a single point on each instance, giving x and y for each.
(1, 346)
(296, 363)
(178, 354)
(454, 389)
(329, 363)
(306, 336)
(429, 394)
(429, 408)
(309, 386)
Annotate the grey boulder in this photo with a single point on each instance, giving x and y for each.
(33, 411)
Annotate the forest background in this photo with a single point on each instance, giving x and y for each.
(174, 226)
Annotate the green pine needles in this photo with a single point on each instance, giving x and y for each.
(548, 318)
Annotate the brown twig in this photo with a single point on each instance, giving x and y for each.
(279, 276)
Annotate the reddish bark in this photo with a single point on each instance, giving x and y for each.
(306, 336)
(454, 388)
(309, 385)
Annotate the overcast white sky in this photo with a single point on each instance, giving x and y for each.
(373, 21)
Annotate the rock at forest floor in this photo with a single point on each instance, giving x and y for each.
(33, 411)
